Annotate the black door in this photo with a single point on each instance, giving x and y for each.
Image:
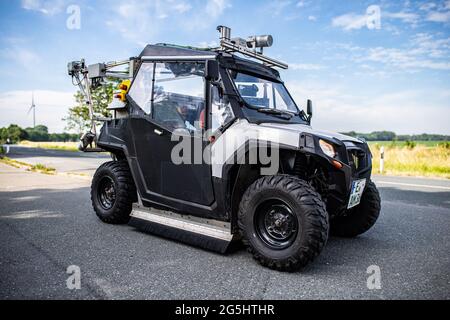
(177, 103)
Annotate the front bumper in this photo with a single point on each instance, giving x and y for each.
(356, 161)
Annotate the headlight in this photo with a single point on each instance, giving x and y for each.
(327, 148)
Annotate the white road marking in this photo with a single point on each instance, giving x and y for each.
(413, 185)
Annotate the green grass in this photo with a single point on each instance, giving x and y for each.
(42, 169)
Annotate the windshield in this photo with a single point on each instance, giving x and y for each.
(263, 94)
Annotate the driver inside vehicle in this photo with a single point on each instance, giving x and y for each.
(186, 115)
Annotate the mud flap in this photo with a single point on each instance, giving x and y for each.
(208, 234)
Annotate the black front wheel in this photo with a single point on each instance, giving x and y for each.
(360, 219)
(113, 192)
(276, 224)
(283, 222)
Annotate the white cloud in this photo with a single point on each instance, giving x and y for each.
(407, 17)
(143, 17)
(206, 16)
(354, 21)
(135, 15)
(423, 51)
(438, 13)
(51, 107)
(306, 66)
(276, 7)
(215, 8)
(402, 112)
(47, 7)
(439, 16)
(404, 59)
(312, 18)
(20, 55)
(350, 21)
(427, 6)
(211, 44)
(182, 7)
(435, 48)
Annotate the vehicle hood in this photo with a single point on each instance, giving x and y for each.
(309, 129)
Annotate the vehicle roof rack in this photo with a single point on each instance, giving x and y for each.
(177, 46)
(248, 47)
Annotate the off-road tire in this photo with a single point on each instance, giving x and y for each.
(119, 175)
(307, 206)
(360, 219)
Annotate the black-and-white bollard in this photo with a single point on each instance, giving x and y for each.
(381, 160)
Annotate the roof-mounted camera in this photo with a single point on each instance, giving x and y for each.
(248, 47)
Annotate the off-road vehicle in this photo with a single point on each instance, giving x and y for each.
(229, 103)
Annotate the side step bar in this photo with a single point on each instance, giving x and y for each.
(209, 234)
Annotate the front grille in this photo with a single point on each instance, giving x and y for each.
(357, 159)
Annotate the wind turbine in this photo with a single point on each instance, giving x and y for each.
(33, 107)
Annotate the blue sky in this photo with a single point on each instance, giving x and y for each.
(394, 78)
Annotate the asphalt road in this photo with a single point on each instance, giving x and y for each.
(62, 161)
(47, 224)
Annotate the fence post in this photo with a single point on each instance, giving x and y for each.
(382, 160)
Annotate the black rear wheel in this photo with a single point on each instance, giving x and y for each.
(113, 192)
(106, 192)
(283, 222)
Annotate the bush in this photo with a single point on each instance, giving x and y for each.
(14, 133)
(410, 144)
(40, 133)
(445, 145)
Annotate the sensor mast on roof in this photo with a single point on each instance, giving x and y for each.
(248, 47)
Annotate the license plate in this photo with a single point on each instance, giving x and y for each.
(356, 194)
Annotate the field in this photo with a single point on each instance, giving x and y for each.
(403, 143)
(428, 158)
(67, 146)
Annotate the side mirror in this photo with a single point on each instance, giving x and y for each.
(309, 110)
(212, 70)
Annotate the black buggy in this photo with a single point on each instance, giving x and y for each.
(186, 132)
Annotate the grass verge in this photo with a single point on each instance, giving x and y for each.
(65, 146)
(34, 168)
(13, 163)
(419, 160)
(42, 169)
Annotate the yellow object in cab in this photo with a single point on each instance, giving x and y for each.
(124, 87)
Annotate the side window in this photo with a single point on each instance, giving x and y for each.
(178, 99)
(221, 111)
(141, 90)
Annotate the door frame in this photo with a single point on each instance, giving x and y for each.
(151, 198)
